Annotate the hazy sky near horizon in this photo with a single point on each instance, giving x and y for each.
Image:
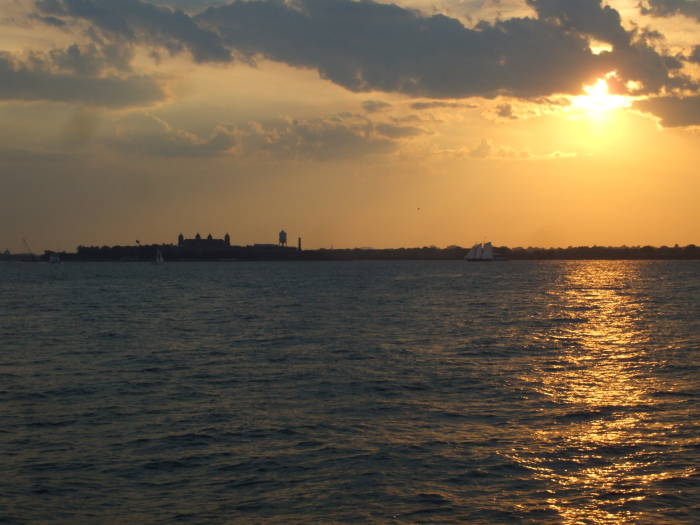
(348, 123)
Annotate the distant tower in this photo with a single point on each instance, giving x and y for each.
(283, 238)
(180, 240)
(227, 240)
(299, 244)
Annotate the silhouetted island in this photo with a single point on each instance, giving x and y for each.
(211, 249)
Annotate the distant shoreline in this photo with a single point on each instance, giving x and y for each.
(173, 253)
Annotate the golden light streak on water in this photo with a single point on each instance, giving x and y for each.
(599, 387)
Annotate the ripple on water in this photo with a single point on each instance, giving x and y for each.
(389, 392)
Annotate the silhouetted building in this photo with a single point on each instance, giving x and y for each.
(283, 238)
(210, 243)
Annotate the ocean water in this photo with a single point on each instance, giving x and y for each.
(350, 392)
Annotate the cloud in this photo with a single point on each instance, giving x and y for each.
(18, 155)
(483, 150)
(335, 138)
(589, 17)
(672, 111)
(373, 106)
(136, 20)
(371, 46)
(339, 137)
(640, 62)
(398, 132)
(486, 149)
(48, 20)
(190, 5)
(91, 60)
(40, 79)
(365, 46)
(663, 8)
(632, 54)
(509, 109)
(437, 104)
(505, 111)
(694, 55)
(146, 134)
(81, 127)
(406, 119)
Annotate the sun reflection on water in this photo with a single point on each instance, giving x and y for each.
(596, 442)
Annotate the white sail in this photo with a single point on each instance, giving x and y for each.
(481, 252)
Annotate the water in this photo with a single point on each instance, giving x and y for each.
(350, 392)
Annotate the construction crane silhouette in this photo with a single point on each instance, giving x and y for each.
(29, 249)
(26, 245)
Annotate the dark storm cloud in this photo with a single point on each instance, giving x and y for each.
(142, 21)
(36, 79)
(690, 8)
(369, 46)
(673, 111)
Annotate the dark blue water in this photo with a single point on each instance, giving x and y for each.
(350, 392)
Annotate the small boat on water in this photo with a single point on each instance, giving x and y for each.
(481, 252)
(54, 258)
(159, 258)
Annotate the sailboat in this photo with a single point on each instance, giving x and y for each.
(159, 257)
(480, 252)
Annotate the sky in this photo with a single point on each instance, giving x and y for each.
(350, 123)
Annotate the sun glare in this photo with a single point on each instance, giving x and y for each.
(598, 101)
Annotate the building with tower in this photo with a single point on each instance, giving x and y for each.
(203, 244)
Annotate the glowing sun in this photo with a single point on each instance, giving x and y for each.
(598, 101)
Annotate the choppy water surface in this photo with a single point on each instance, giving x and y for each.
(406, 392)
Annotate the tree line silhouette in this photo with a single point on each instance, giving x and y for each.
(174, 253)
